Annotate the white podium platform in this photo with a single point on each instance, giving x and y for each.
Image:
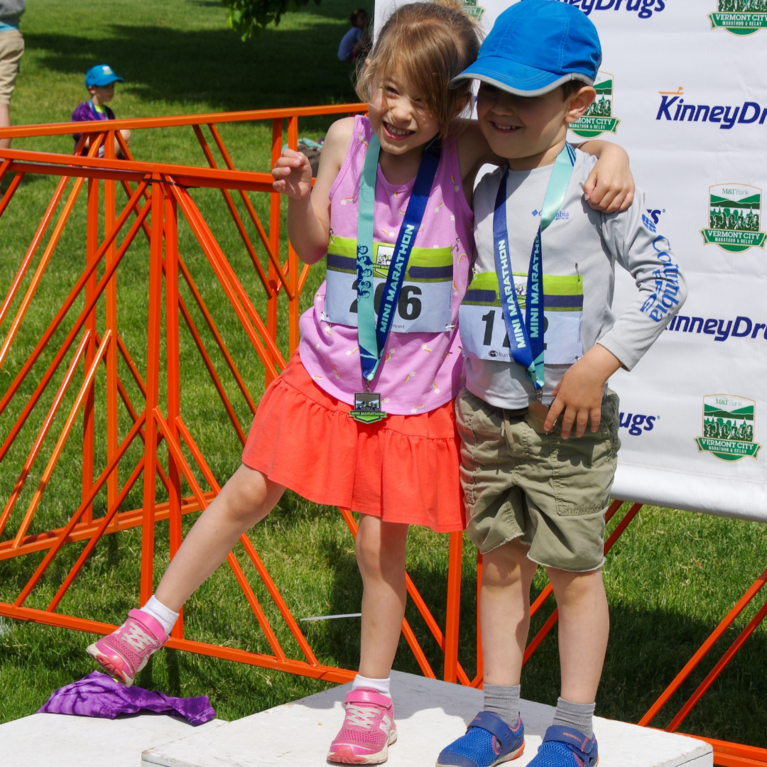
(53, 740)
(429, 714)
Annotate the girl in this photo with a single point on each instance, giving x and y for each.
(398, 234)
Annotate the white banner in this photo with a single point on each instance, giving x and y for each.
(683, 87)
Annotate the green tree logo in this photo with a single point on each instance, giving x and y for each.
(741, 17)
(728, 428)
(471, 8)
(599, 117)
(734, 218)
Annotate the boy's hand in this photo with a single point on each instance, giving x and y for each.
(293, 175)
(610, 185)
(579, 393)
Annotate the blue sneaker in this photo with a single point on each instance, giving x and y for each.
(488, 741)
(566, 747)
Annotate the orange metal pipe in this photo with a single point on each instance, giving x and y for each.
(152, 388)
(294, 310)
(173, 373)
(235, 215)
(274, 242)
(263, 622)
(184, 175)
(143, 123)
(63, 437)
(103, 524)
(272, 252)
(125, 520)
(453, 606)
(212, 371)
(199, 228)
(7, 197)
(89, 415)
(43, 342)
(216, 334)
(35, 451)
(718, 668)
(754, 589)
(214, 253)
(65, 531)
(47, 216)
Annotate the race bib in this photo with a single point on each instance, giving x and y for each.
(425, 302)
(483, 332)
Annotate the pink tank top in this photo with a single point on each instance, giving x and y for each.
(420, 369)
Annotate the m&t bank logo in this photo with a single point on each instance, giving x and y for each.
(599, 117)
(734, 214)
(741, 17)
(728, 428)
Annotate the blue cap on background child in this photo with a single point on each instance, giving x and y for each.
(101, 75)
(535, 46)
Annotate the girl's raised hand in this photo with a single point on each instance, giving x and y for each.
(610, 185)
(292, 175)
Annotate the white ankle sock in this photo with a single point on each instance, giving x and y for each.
(382, 686)
(162, 614)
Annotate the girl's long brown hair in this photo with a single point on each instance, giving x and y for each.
(429, 43)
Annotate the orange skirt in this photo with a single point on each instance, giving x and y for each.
(403, 469)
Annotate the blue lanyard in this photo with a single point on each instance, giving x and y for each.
(373, 335)
(526, 336)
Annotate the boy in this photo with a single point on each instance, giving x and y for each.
(535, 495)
(100, 82)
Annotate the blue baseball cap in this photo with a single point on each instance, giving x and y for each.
(100, 75)
(536, 46)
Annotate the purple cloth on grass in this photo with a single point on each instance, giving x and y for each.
(101, 696)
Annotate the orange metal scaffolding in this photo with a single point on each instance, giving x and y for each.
(158, 195)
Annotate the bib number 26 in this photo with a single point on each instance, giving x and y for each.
(408, 304)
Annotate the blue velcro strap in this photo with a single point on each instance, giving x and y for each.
(572, 738)
(487, 720)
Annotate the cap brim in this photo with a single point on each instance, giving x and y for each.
(514, 77)
(108, 81)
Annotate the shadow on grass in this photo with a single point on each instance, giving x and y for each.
(286, 67)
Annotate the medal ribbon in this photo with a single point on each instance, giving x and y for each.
(526, 336)
(373, 335)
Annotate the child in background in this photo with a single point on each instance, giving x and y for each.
(402, 177)
(536, 486)
(356, 41)
(100, 82)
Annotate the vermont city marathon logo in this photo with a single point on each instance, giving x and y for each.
(599, 116)
(734, 214)
(471, 8)
(741, 17)
(728, 428)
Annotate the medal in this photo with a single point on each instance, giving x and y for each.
(367, 408)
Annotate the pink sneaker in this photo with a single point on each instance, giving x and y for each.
(126, 651)
(368, 729)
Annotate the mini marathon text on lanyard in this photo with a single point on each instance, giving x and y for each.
(373, 335)
(526, 336)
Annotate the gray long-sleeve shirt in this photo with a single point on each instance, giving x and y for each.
(580, 249)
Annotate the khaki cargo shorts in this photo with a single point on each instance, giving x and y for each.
(11, 49)
(548, 492)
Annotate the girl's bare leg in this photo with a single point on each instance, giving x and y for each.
(243, 502)
(381, 560)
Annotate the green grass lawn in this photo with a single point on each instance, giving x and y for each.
(670, 580)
